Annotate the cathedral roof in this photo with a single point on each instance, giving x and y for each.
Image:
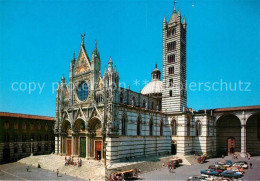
(154, 87)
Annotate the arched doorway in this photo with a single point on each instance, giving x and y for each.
(95, 139)
(228, 135)
(231, 145)
(80, 138)
(66, 138)
(253, 134)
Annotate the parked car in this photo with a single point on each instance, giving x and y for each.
(243, 164)
(226, 163)
(209, 172)
(231, 174)
(201, 178)
(217, 167)
(194, 178)
(237, 169)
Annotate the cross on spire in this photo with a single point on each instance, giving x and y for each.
(82, 38)
(174, 5)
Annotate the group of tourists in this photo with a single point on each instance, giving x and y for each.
(70, 161)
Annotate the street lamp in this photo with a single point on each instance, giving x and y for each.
(31, 147)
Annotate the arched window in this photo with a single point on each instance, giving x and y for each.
(124, 124)
(121, 97)
(151, 127)
(138, 126)
(133, 101)
(174, 128)
(198, 128)
(144, 103)
(161, 128)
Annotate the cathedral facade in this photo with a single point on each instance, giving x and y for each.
(97, 119)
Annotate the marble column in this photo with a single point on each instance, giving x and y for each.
(243, 140)
(87, 147)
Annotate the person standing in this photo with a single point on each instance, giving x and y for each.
(251, 165)
(27, 168)
(57, 172)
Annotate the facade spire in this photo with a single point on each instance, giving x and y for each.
(74, 55)
(164, 19)
(96, 44)
(82, 38)
(63, 79)
(110, 64)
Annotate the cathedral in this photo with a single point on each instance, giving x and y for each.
(98, 119)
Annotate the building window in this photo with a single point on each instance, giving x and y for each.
(23, 138)
(6, 125)
(6, 138)
(151, 127)
(171, 82)
(138, 129)
(171, 32)
(46, 127)
(144, 103)
(188, 126)
(171, 70)
(170, 93)
(15, 125)
(171, 46)
(15, 138)
(46, 138)
(39, 126)
(82, 91)
(198, 128)
(161, 128)
(171, 58)
(121, 97)
(174, 128)
(133, 101)
(124, 124)
(31, 127)
(24, 126)
(82, 126)
(152, 105)
(39, 138)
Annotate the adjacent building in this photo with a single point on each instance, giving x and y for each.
(22, 135)
(97, 119)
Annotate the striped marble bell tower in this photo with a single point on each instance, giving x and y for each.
(174, 95)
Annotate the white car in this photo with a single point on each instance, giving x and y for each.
(241, 164)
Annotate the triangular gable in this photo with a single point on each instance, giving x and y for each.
(82, 63)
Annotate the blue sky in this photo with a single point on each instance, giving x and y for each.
(38, 39)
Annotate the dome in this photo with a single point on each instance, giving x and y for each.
(154, 87)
